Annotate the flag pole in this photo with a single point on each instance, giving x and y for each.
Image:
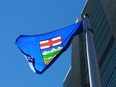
(94, 76)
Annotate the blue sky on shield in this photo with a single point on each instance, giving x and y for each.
(31, 17)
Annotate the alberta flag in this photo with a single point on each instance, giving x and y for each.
(42, 50)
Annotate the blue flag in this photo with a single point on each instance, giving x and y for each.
(42, 50)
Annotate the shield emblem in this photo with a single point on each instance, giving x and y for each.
(50, 48)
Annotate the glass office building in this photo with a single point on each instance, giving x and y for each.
(103, 22)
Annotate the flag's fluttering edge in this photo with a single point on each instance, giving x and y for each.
(42, 50)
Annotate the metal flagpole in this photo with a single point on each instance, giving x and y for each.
(94, 76)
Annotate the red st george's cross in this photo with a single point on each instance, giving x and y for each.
(51, 42)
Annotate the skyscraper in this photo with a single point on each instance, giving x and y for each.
(102, 20)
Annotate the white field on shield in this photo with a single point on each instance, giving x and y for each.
(56, 38)
(44, 47)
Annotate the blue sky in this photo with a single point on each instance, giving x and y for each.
(30, 17)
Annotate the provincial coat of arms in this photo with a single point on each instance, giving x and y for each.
(50, 48)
